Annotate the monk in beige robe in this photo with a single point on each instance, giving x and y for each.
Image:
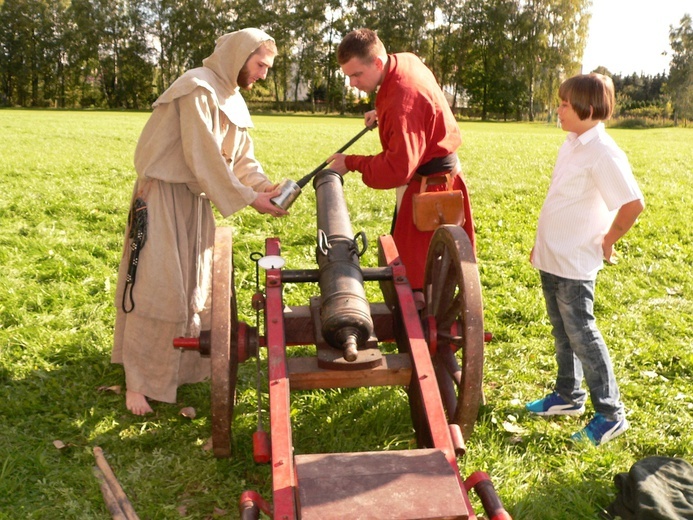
(195, 148)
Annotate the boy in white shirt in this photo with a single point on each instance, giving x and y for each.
(593, 200)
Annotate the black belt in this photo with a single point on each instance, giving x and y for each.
(438, 165)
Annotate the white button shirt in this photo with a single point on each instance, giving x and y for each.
(591, 180)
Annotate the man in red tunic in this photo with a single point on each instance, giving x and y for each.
(418, 133)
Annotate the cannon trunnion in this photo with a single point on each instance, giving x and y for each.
(439, 360)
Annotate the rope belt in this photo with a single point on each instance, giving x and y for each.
(137, 221)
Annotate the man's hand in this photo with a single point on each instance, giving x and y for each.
(337, 163)
(371, 119)
(262, 203)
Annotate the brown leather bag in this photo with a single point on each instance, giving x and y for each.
(436, 208)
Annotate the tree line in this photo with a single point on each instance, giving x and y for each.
(495, 58)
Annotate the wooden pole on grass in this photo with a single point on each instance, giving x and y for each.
(108, 497)
(113, 494)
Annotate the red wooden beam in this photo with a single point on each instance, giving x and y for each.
(283, 470)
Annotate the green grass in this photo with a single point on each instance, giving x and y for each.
(66, 181)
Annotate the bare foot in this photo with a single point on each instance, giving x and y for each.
(137, 403)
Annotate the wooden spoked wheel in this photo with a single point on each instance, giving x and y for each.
(454, 318)
(223, 348)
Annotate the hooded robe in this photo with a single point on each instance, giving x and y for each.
(195, 148)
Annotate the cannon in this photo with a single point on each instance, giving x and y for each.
(439, 336)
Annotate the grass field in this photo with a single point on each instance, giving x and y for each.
(66, 182)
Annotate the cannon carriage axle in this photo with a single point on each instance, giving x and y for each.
(439, 360)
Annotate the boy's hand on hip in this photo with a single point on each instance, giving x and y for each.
(609, 254)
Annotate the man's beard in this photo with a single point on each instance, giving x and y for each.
(244, 78)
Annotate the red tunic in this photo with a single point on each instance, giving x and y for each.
(416, 125)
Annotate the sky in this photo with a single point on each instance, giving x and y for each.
(629, 36)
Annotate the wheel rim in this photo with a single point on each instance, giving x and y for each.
(453, 298)
(224, 350)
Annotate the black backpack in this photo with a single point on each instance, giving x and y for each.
(655, 488)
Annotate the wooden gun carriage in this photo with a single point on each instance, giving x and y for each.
(440, 342)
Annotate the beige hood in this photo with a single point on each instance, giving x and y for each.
(219, 73)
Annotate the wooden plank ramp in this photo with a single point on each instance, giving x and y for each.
(388, 485)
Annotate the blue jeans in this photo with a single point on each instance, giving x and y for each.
(580, 347)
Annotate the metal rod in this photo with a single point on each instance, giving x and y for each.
(370, 274)
(306, 178)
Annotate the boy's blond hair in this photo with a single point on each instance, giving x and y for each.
(590, 95)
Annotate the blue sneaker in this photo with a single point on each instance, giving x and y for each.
(554, 404)
(599, 430)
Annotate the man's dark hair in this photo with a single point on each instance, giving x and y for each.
(363, 44)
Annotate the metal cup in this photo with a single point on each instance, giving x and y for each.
(289, 193)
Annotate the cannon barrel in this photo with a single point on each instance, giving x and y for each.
(344, 309)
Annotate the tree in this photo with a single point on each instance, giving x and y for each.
(184, 33)
(107, 56)
(531, 43)
(29, 51)
(486, 65)
(504, 58)
(680, 85)
(443, 50)
(566, 38)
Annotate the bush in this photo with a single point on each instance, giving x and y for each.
(640, 122)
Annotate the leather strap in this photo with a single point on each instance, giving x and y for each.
(446, 178)
(438, 178)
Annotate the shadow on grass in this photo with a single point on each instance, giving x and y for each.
(563, 501)
(52, 420)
